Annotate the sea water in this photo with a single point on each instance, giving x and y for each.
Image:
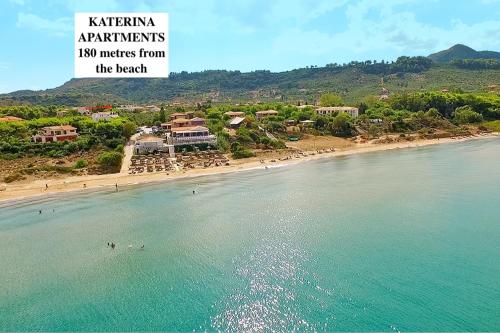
(403, 240)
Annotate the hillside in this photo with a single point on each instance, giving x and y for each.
(460, 52)
(353, 81)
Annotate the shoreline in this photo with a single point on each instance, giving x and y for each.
(35, 191)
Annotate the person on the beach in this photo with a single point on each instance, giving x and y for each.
(116, 186)
(84, 185)
(46, 187)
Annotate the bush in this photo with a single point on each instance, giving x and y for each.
(80, 164)
(14, 177)
(119, 148)
(110, 159)
(242, 153)
(465, 115)
(493, 126)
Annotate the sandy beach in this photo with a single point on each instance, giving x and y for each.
(11, 193)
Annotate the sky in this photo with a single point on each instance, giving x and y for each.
(36, 36)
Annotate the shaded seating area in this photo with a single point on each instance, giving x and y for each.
(151, 163)
(201, 159)
(161, 162)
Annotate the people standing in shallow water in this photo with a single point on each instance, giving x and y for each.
(40, 212)
(112, 246)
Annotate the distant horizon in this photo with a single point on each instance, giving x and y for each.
(248, 35)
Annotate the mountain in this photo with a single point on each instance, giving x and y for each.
(353, 81)
(460, 52)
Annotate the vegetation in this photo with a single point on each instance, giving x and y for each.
(105, 138)
(493, 126)
(476, 63)
(110, 159)
(351, 81)
(80, 164)
(465, 115)
(330, 99)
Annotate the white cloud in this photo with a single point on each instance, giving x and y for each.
(381, 26)
(58, 27)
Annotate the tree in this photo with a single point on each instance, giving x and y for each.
(163, 116)
(330, 99)
(465, 115)
(110, 159)
(341, 125)
(373, 131)
(129, 129)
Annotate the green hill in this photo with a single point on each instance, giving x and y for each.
(461, 52)
(353, 81)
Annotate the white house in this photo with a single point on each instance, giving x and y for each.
(149, 144)
(56, 134)
(329, 110)
(104, 116)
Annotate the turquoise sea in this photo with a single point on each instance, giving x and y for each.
(405, 240)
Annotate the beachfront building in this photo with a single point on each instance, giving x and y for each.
(151, 144)
(104, 116)
(191, 136)
(7, 119)
(331, 110)
(234, 114)
(264, 114)
(56, 134)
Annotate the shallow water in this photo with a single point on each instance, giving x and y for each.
(399, 240)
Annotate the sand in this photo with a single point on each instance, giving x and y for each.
(37, 189)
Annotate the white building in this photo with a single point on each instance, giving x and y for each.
(150, 144)
(104, 116)
(330, 110)
(191, 136)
